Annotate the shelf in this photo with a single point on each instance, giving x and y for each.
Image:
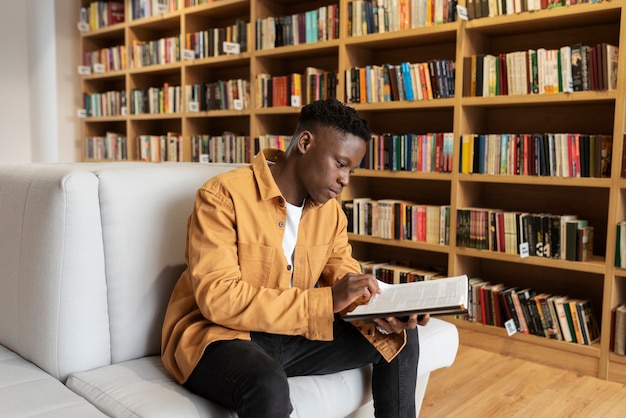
(596, 266)
(541, 99)
(443, 33)
(422, 246)
(361, 172)
(549, 19)
(601, 201)
(602, 183)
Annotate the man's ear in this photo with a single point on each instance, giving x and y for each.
(304, 141)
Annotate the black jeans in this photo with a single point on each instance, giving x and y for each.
(251, 376)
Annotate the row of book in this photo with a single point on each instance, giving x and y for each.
(294, 89)
(147, 8)
(379, 16)
(547, 154)
(156, 100)
(100, 14)
(110, 103)
(321, 24)
(529, 311)
(218, 95)
(570, 68)
(429, 80)
(111, 146)
(106, 59)
(563, 237)
(618, 325)
(159, 148)
(232, 148)
(425, 153)
(394, 272)
(156, 52)
(210, 43)
(489, 8)
(398, 220)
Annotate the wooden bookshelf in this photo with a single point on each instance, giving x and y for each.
(600, 200)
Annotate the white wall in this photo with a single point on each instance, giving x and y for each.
(38, 80)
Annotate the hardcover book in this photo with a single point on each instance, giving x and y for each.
(444, 296)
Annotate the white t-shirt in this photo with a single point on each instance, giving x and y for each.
(291, 232)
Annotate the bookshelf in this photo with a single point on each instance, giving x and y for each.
(602, 201)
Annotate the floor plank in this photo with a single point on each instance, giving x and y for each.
(486, 384)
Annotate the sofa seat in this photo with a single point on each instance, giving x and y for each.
(143, 388)
(28, 391)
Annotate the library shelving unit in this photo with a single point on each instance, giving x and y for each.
(601, 201)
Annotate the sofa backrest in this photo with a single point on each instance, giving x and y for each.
(53, 308)
(144, 221)
(89, 254)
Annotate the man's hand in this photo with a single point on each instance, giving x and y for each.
(393, 325)
(351, 287)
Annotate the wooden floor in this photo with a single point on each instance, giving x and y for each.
(486, 384)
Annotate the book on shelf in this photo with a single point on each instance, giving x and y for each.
(547, 154)
(533, 312)
(619, 330)
(444, 296)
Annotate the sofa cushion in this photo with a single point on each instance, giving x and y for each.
(142, 388)
(144, 245)
(28, 391)
(53, 308)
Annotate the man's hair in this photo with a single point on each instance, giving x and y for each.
(334, 114)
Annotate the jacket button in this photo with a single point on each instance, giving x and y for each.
(281, 224)
(289, 268)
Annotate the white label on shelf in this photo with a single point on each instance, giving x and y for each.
(462, 12)
(193, 107)
(238, 104)
(83, 26)
(81, 113)
(523, 250)
(296, 101)
(510, 327)
(204, 158)
(98, 68)
(84, 70)
(231, 47)
(189, 54)
(162, 8)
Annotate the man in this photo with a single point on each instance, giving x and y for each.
(269, 270)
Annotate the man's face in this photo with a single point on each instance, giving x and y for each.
(330, 158)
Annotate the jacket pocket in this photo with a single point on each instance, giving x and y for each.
(317, 256)
(255, 262)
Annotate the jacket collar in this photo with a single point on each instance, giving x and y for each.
(265, 181)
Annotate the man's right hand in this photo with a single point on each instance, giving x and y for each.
(351, 287)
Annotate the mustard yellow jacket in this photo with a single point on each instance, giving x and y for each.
(237, 280)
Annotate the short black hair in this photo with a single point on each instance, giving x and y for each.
(332, 113)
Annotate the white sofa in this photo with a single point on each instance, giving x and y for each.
(88, 256)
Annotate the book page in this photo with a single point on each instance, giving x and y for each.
(425, 296)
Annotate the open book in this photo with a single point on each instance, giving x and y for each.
(436, 297)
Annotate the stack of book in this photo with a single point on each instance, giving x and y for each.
(570, 68)
(547, 154)
(433, 79)
(424, 153)
(555, 317)
(398, 219)
(563, 237)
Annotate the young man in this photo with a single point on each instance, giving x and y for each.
(269, 270)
